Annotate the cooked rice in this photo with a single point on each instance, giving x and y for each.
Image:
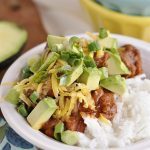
(131, 123)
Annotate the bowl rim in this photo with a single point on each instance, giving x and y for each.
(55, 145)
(110, 13)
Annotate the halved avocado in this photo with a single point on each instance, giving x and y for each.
(12, 39)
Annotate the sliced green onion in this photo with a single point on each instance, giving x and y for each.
(52, 57)
(34, 97)
(64, 55)
(102, 33)
(59, 128)
(112, 50)
(89, 62)
(39, 76)
(22, 110)
(71, 57)
(65, 69)
(93, 46)
(26, 72)
(74, 40)
(74, 61)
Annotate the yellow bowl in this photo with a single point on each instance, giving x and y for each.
(136, 26)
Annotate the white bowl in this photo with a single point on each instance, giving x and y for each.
(19, 124)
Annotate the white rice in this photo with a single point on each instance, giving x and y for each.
(131, 123)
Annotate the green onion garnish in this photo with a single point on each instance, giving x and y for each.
(102, 33)
(34, 97)
(74, 41)
(93, 46)
(26, 72)
(89, 62)
(22, 110)
(59, 128)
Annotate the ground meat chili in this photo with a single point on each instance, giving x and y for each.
(75, 123)
(102, 61)
(105, 103)
(132, 59)
(48, 127)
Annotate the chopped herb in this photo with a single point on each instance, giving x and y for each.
(39, 76)
(93, 46)
(89, 62)
(64, 55)
(59, 128)
(71, 57)
(34, 97)
(22, 110)
(102, 33)
(74, 41)
(26, 72)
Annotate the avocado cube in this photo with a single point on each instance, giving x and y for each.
(114, 83)
(42, 112)
(116, 66)
(72, 76)
(90, 77)
(103, 72)
(53, 40)
(69, 137)
(109, 43)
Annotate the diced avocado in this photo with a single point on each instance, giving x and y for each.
(116, 66)
(53, 40)
(103, 72)
(42, 112)
(52, 57)
(12, 96)
(114, 83)
(108, 42)
(72, 76)
(90, 77)
(69, 137)
(12, 39)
